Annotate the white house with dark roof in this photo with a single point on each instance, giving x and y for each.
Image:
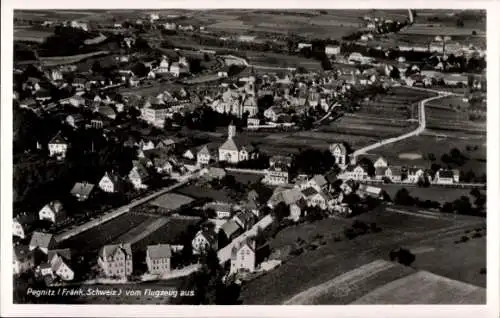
(243, 257)
(414, 174)
(42, 241)
(394, 173)
(339, 152)
(381, 162)
(116, 260)
(22, 259)
(138, 176)
(357, 173)
(206, 154)
(444, 176)
(158, 258)
(111, 182)
(60, 264)
(222, 210)
(318, 182)
(53, 212)
(203, 240)
(58, 146)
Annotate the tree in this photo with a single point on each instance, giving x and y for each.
(96, 67)
(403, 197)
(394, 74)
(281, 211)
(195, 66)
(403, 256)
(234, 70)
(302, 70)
(140, 70)
(222, 239)
(326, 64)
(431, 156)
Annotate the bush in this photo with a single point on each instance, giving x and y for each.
(482, 271)
(464, 238)
(337, 239)
(350, 233)
(477, 235)
(297, 251)
(403, 256)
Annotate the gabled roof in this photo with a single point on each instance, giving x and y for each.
(113, 176)
(159, 251)
(331, 177)
(82, 189)
(252, 195)
(245, 217)
(221, 207)
(320, 180)
(395, 170)
(209, 236)
(309, 192)
(445, 173)
(42, 240)
(58, 139)
(252, 205)
(230, 227)
(229, 145)
(380, 171)
(64, 253)
(22, 252)
(56, 206)
(110, 250)
(250, 242)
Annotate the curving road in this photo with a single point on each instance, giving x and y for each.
(416, 132)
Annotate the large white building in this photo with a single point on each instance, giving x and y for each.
(234, 150)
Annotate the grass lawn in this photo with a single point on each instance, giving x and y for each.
(439, 194)
(246, 178)
(198, 192)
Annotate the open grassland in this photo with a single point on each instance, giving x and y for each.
(426, 288)
(31, 34)
(105, 233)
(281, 60)
(435, 29)
(141, 231)
(61, 60)
(336, 257)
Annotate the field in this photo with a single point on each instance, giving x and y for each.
(281, 60)
(450, 115)
(427, 288)
(199, 192)
(425, 144)
(438, 194)
(92, 239)
(171, 201)
(60, 60)
(337, 257)
(31, 34)
(169, 233)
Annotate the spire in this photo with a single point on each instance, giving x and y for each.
(231, 131)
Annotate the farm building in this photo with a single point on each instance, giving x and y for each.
(158, 258)
(116, 260)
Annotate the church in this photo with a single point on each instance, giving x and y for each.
(234, 149)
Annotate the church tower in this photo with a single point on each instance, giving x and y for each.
(231, 131)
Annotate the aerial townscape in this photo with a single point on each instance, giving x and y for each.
(266, 157)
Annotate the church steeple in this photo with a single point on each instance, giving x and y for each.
(231, 131)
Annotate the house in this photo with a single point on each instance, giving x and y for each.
(355, 173)
(380, 173)
(456, 175)
(111, 182)
(250, 105)
(231, 229)
(204, 240)
(414, 174)
(42, 241)
(212, 173)
(53, 212)
(339, 152)
(297, 209)
(252, 206)
(301, 46)
(43, 95)
(166, 144)
(138, 176)
(394, 173)
(206, 154)
(82, 190)
(158, 258)
(444, 176)
(75, 120)
(276, 175)
(163, 165)
(107, 111)
(116, 260)
(60, 261)
(245, 219)
(235, 150)
(253, 121)
(273, 113)
(176, 69)
(380, 163)
(164, 67)
(280, 160)
(58, 146)
(318, 182)
(222, 210)
(332, 50)
(287, 196)
(369, 191)
(243, 257)
(18, 228)
(23, 259)
(348, 186)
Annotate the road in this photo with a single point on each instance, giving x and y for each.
(416, 132)
(121, 210)
(328, 114)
